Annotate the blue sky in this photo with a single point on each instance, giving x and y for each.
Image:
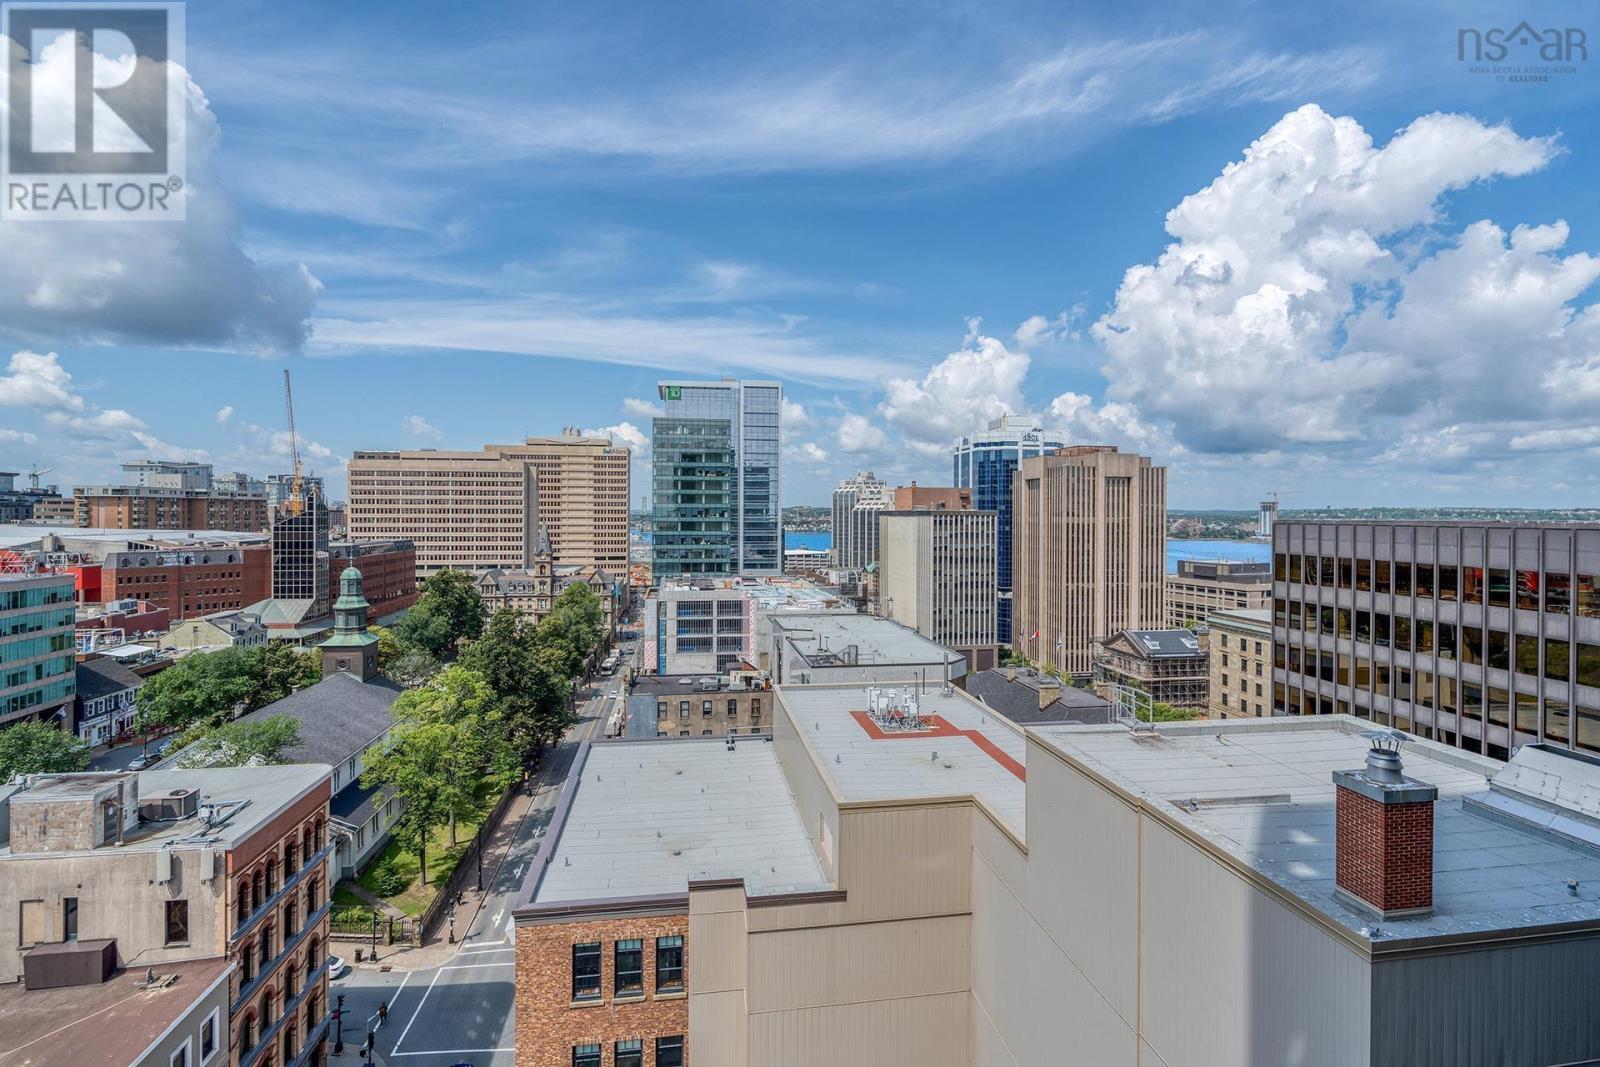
(461, 224)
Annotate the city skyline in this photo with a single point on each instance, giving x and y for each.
(1388, 264)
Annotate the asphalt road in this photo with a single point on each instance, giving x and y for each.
(117, 759)
(462, 1011)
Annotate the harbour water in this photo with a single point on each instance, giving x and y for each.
(1230, 550)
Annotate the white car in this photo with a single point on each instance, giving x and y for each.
(336, 967)
(614, 693)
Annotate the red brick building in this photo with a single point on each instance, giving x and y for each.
(388, 573)
(190, 580)
(138, 507)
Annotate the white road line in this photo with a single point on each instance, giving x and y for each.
(496, 920)
(451, 1051)
(415, 1012)
(484, 946)
(469, 966)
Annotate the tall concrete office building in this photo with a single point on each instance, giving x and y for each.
(716, 481)
(936, 575)
(475, 510)
(856, 504)
(1089, 550)
(984, 462)
(1481, 635)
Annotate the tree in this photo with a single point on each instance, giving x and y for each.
(445, 737)
(40, 748)
(573, 626)
(389, 648)
(460, 699)
(530, 683)
(283, 669)
(412, 668)
(448, 612)
(243, 744)
(204, 686)
(1161, 712)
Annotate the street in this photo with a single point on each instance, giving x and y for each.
(461, 1010)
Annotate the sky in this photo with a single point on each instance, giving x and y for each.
(1307, 253)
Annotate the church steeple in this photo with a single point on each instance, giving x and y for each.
(352, 649)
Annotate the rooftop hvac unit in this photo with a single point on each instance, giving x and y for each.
(170, 806)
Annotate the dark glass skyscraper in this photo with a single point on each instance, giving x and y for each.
(716, 480)
(984, 463)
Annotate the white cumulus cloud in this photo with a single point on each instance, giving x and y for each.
(857, 434)
(224, 413)
(979, 382)
(641, 409)
(417, 427)
(177, 283)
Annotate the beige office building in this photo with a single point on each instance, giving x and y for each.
(1088, 554)
(476, 510)
(936, 574)
(1241, 664)
(1203, 586)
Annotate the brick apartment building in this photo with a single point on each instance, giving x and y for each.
(139, 507)
(190, 580)
(609, 991)
(161, 868)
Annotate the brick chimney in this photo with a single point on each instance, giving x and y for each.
(1384, 837)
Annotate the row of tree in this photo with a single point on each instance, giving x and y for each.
(484, 695)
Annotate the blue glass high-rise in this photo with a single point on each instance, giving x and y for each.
(984, 462)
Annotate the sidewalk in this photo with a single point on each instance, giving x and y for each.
(440, 951)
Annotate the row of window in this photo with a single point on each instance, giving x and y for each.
(1471, 585)
(1563, 661)
(630, 1053)
(628, 967)
(706, 707)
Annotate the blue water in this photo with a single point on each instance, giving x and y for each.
(819, 539)
(1245, 551)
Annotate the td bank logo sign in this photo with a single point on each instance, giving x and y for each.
(92, 112)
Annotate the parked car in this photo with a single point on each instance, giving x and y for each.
(336, 967)
(614, 693)
(164, 747)
(139, 763)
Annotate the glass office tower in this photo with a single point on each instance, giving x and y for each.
(984, 463)
(715, 478)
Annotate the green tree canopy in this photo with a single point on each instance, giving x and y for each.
(240, 744)
(529, 682)
(40, 748)
(448, 612)
(206, 687)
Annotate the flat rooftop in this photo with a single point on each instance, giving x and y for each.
(971, 750)
(108, 1024)
(877, 640)
(1262, 791)
(647, 817)
(249, 796)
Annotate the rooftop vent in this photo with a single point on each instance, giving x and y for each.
(1384, 837)
(171, 806)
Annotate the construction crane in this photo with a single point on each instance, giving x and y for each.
(296, 504)
(35, 475)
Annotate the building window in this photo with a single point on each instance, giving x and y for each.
(705, 707)
(755, 707)
(208, 1037)
(586, 973)
(585, 1056)
(669, 964)
(177, 922)
(180, 1057)
(630, 967)
(669, 1051)
(733, 707)
(683, 709)
(629, 1053)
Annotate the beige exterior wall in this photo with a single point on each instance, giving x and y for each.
(186, 1031)
(1191, 599)
(474, 510)
(1240, 660)
(936, 575)
(1088, 558)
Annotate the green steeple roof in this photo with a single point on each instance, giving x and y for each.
(350, 614)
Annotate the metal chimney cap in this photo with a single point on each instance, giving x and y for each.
(1384, 739)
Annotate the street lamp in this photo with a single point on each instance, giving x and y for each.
(480, 857)
(338, 1027)
(452, 924)
(374, 933)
